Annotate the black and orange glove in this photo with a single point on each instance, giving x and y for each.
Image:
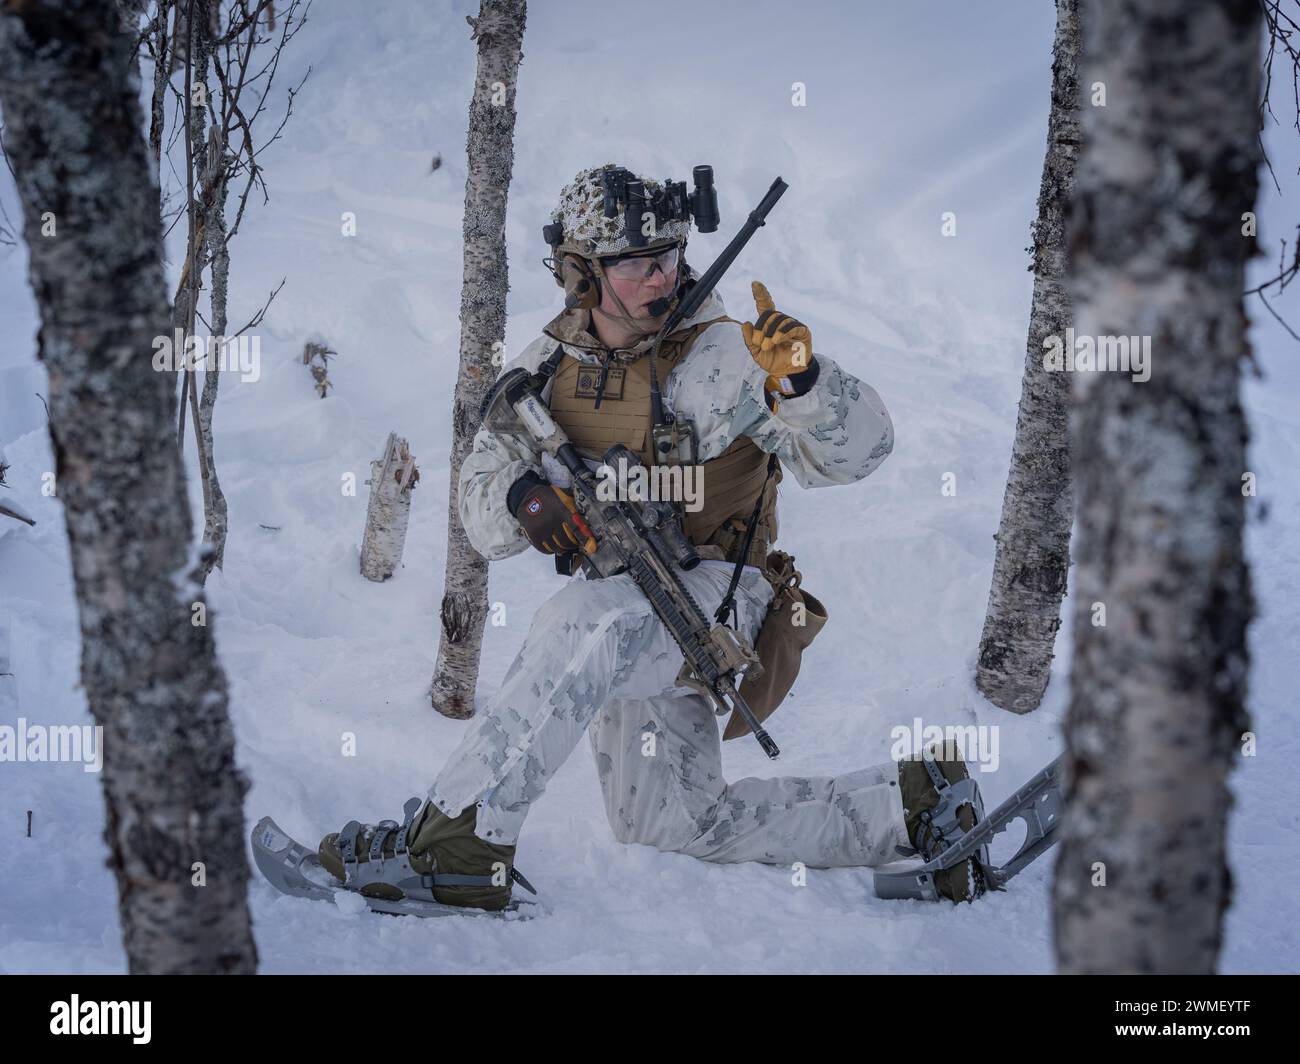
(781, 345)
(548, 516)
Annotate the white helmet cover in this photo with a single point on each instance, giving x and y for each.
(581, 214)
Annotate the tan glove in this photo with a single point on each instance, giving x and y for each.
(779, 343)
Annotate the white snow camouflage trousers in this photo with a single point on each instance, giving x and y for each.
(597, 659)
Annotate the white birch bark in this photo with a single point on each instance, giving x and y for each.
(1157, 692)
(70, 91)
(392, 479)
(206, 175)
(1033, 538)
(161, 37)
(214, 229)
(499, 31)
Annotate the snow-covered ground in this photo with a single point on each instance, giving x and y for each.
(912, 110)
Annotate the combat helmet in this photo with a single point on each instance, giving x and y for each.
(590, 223)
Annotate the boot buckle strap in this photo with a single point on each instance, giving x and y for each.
(348, 848)
(936, 777)
(409, 810)
(382, 830)
(449, 879)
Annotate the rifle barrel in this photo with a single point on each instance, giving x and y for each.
(710, 278)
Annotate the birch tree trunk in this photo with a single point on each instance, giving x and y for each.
(203, 172)
(214, 229)
(1033, 540)
(161, 70)
(392, 479)
(499, 31)
(1157, 692)
(70, 93)
(185, 304)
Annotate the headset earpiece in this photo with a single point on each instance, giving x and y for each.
(581, 287)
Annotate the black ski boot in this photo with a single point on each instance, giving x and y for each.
(430, 857)
(940, 804)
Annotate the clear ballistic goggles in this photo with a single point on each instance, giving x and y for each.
(640, 267)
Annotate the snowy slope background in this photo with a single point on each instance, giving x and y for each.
(912, 110)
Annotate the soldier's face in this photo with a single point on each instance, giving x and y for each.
(637, 291)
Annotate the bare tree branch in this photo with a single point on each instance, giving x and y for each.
(1279, 27)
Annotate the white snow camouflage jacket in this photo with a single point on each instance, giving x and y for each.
(836, 433)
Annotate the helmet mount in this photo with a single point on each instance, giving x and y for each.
(667, 203)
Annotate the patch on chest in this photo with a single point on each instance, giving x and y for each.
(588, 378)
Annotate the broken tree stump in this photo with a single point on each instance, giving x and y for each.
(392, 479)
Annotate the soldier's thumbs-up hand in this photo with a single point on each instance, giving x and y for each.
(779, 343)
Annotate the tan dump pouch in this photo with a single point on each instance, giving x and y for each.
(781, 641)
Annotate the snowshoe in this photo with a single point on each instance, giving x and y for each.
(941, 803)
(965, 862)
(430, 865)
